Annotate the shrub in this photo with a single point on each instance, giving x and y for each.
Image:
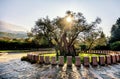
(24, 58)
(99, 47)
(115, 46)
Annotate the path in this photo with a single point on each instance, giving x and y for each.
(5, 57)
(11, 67)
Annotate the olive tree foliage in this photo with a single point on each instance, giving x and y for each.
(63, 32)
(91, 39)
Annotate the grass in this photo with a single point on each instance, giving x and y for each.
(25, 51)
(89, 55)
(50, 55)
(14, 51)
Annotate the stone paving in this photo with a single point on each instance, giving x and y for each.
(17, 69)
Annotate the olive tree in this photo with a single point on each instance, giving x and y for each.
(64, 31)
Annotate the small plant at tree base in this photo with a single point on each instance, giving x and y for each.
(24, 58)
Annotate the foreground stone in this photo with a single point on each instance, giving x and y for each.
(53, 60)
(61, 60)
(117, 58)
(41, 60)
(108, 59)
(94, 61)
(102, 60)
(69, 60)
(113, 59)
(37, 58)
(47, 60)
(86, 61)
(77, 61)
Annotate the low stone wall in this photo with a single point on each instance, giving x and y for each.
(105, 52)
(95, 61)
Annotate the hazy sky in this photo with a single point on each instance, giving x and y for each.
(25, 12)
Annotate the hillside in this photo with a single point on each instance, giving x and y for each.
(13, 35)
(11, 30)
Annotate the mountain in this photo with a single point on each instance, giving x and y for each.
(11, 30)
(12, 35)
(8, 27)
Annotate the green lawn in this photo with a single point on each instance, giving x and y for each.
(51, 55)
(24, 51)
(89, 55)
(14, 51)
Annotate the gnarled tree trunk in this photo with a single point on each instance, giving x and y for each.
(66, 48)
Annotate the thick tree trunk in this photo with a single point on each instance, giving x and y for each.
(70, 51)
(66, 47)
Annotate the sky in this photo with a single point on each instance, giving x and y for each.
(24, 13)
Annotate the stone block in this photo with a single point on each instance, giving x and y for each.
(53, 60)
(61, 60)
(94, 61)
(102, 60)
(86, 61)
(77, 61)
(36, 58)
(69, 60)
(28, 56)
(41, 60)
(117, 58)
(47, 60)
(33, 57)
(113, 59)
(108, 59)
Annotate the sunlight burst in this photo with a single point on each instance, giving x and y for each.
(69, 19)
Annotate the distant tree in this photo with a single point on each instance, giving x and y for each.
(115, 46)
(102, 40)
(92, 39)
(64, 30)
(115, 31)
(114, 40)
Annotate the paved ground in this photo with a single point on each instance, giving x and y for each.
(5, 57)
(11, 67)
